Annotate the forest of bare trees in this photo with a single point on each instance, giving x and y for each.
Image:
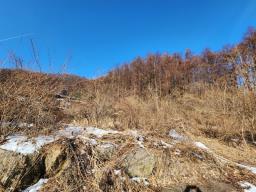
(233, 66)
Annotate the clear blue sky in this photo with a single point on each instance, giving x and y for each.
(101, 34)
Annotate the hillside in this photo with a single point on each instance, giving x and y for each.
(162, 123)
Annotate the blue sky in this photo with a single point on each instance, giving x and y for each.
(101, 34)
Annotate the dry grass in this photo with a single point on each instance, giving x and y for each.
(215, 112)
(226, 115)
(27, 97)
(222, 119)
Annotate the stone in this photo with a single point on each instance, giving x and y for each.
(218, 187)
(139, 163)
(213, 186)
(106, 150)
(55, 157)
(167, 189)
(18, 171)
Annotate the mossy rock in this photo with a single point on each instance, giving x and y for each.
(139, 163)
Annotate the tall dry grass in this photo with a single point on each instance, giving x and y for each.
(28, 98)
(225, 114)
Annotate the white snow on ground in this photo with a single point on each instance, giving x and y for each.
(21, 144)
(139, 138)
(175, 135)
(29, 125)
(117, 171)
(69, 132)
(24, 145)
(166, 145)
(248, 187)
(36, 187)
(93, 142)
(252, 169)
(140, 180)
(107, 145)
(163, 144)
(99, 132)
(201, 145)
(134, 134)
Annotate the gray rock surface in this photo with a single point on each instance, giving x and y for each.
(106, 150)
(139, 163)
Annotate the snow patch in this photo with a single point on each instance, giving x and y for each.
(252, 169)
(117, 172)
(248, 187)
(21, 144)
(28, 125)
(107, 145)
(24, 145)
(36, 187)
(139, 138)
(175, 135)
(140, 180)
(197, 155)
(69, 132)
(93, 142)
(201, 145)
(99, 132)
(136, 135)
(163, 144)
(177, 152)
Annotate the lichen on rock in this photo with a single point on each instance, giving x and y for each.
(139, 163)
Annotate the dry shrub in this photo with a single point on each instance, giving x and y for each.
(136, 113)
(97, 110)
(111, 183)
(216, 112)
(27, 97)
(75, 173)
(222, 113)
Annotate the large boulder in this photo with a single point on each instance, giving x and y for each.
(19, 171)
(139, 163)
(55, 158)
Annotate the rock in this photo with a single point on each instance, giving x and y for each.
(18, 171)
(167, 189)
(54, 159)
(62, 94)
(106, 150)
(218, 187)
(139, 163)
(73, 172)
(4, 124)
(1, 188)
(210, 187)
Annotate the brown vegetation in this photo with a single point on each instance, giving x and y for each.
(209, 96)
(213, 93)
